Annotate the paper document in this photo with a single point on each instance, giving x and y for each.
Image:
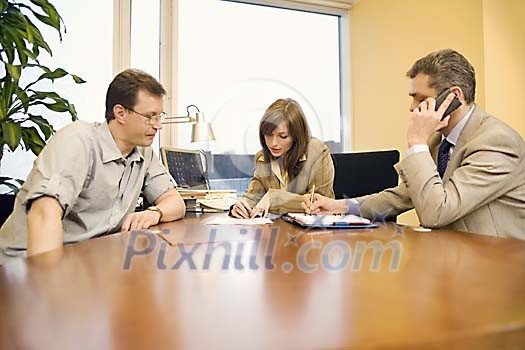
(227, 220)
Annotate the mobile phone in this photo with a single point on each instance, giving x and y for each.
(455, 104)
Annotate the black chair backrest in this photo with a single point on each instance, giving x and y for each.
(7, 202)
(359, 174)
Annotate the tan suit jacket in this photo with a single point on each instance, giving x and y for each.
(286, 197)
(483, 188)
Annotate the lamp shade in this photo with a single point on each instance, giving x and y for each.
(201, 130)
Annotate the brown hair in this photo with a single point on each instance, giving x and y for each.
(125, 87)
(447, 68)
(289, 111)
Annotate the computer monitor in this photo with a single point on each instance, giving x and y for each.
(187, 167)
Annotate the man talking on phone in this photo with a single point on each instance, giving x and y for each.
(464, 170)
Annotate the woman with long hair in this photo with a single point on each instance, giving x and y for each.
(290, 164)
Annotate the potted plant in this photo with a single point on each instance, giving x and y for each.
(22, 123)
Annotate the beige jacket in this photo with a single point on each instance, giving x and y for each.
(286, 197)
(483, 188)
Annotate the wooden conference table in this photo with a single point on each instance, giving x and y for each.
(435, 290)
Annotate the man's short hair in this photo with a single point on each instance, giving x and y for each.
(125, 86)
(447, 68)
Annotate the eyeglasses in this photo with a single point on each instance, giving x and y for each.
(151, 119)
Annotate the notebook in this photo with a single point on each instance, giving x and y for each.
(329, 221)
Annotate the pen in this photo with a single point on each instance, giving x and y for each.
(312, 195)
(164, 238)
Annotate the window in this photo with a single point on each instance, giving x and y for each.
(145, 41)
(235, 59)
(86, 50)
(231, 59)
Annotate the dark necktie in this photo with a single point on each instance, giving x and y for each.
(444, 149)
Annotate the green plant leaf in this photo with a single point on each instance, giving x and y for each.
(78, 79)
(43, 124)
(15, 21)
(24, 99)
(5, 178)
(18, 39)
(14, 71)
(33, 140)
(56, 74)
(73, 112)
(22, 22)
(12, 132)
(13, 188)
(29, 33)
(52, 75)
(39, 66)
(7, 44)
(49, 21)
(6, 39)
(42, 95)
(21, 42)
(54, 18)
(8, 88)
(7, 181)
(23, 28)
(38, 39)
(17, 25)
(57, 107)
(53, 21)
(14, 12)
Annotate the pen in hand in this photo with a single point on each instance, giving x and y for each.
(312, 197)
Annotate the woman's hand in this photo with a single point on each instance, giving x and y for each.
(241, 209)
(262, 207)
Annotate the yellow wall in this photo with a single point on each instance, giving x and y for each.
(387, 36)
(504, 37)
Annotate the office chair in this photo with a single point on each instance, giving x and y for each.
(359, 174)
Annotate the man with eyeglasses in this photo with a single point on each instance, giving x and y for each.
(86, 181)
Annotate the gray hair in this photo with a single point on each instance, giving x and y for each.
(447, 68)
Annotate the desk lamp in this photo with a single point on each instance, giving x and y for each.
(201, 129)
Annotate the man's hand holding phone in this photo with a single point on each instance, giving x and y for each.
(430, 117)
(455, 104)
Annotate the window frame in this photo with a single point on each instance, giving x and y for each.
(169, 50)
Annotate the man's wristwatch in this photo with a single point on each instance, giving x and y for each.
(157, 209)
